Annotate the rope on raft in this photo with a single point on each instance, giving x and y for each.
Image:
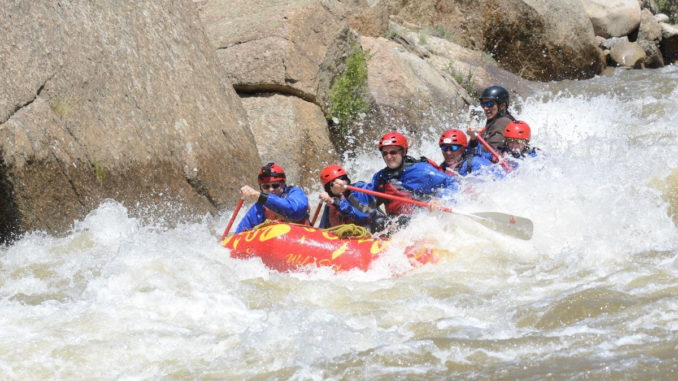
(341, 231)
(350, 231)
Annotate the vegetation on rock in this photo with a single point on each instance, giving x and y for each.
(348, 94)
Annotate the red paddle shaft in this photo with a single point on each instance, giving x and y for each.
(235, 213)
(317, 211)
(493, 152)
(395, 198)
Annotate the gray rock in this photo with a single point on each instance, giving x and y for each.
(649, 37)
(660, 17)
(292, 133)
(628, 54)
(118, 100)
(291, 47)
(537, 39)
(610, 42)
(613, 18)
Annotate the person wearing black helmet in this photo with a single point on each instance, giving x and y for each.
(495, 101)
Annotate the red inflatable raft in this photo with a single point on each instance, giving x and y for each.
(289, 247)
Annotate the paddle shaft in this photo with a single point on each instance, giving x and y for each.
(394, 198)
(519, 227)
(493, 152)
(317, 211)
(230, 222)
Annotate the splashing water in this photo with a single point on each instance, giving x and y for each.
(592, 295)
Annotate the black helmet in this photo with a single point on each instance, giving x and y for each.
(498, 93)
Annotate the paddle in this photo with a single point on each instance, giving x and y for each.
(230, 222)
(317, 211)
(518, 227)
(504, 164)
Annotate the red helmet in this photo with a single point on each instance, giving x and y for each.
(393, 139)
(271, 173)
(453, 136)
(517, 130)
(331, 172)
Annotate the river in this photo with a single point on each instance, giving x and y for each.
(593, 295)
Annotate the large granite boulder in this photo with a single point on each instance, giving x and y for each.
(292, 47)
(408, 94)
(537, 39)
(472, 69)
(118, 100)
(613, 18)
(293, 133)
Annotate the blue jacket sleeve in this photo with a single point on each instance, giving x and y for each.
(347, 209)
(255, 215)
(294, 206)
(424, 178)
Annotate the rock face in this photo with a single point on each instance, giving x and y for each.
(282, 57)
(537, 39)
(292, 133)
(472, 69)
(613, 18)
(291, 47)
(409, 95)
(126, 102)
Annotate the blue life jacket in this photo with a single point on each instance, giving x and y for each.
(414, 179)
(352, 210)
(291, 206)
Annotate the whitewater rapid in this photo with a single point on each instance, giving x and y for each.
(591, 295)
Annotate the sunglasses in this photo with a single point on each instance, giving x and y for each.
(452, 148)
(392, 152)
(270, 186)
(514, 140)
(488, 104)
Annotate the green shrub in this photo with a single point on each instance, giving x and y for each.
(669, 8)
(348, 94)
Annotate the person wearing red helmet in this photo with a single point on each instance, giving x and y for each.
(517, 140)
(344, 206)
(405, 176)
(458, 161)
(275, 200)
(495, 101)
